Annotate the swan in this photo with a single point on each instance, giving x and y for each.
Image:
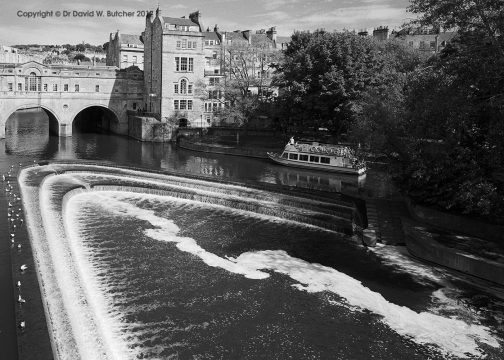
(23, 267)
(21, 300)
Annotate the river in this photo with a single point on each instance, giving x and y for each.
(179, 279)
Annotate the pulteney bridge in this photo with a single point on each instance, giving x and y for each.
(67, 93)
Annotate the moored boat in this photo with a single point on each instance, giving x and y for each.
(326, 157)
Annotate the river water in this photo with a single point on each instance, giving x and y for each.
(172, 278)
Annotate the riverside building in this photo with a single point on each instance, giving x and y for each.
(186, 66)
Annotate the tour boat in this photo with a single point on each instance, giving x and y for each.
(327, 157)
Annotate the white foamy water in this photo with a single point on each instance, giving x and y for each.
(451, 336)
(99, 331)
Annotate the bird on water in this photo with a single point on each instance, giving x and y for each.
(23, 267)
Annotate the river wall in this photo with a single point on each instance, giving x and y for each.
(456, 223)
(422, 245)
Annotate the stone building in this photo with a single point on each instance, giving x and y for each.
(64, 91)
(125, 50)
(422, 39)
(174, 67)
(11, 55)
(186, 66)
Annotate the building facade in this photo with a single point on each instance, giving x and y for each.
(125, 50)
(186, 66)
(65, 90)
(11, 55)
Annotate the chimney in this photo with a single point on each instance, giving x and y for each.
(158, 12)
(272, 33)
(216, 28)
(195, 17)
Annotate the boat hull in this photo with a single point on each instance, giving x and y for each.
(322, 167)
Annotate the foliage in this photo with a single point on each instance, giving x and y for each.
(324, 75)
(458, 101)
(247, 90)
(81, 57)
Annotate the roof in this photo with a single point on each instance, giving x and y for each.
(179, 21)
(259, 39)
(130, 39)
(283, 39)
(235, 36)
(211, 35)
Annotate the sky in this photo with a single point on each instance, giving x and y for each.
(287, 15)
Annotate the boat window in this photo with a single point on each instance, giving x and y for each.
(303, 157)
(293, 156)
(284, 155)
(325, 160)
(314, 159)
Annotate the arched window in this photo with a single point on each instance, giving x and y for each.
(33, 82)
(183, 86)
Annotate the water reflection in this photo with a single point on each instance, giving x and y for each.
(28, 134)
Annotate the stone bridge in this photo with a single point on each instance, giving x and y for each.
(67, 93)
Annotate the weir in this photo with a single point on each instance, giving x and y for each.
(97, 286)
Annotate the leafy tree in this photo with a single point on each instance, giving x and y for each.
(455, 112)
(246, 89)
(324, 75)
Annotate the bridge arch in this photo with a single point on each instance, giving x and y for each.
(54, 120)
(95, 117)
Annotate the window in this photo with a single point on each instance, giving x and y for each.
(189, 104)
(179, 44)
(76, 87)
(184, 64)
(183, 104)
(325, 160)
(433, 44)
(194, 45)
(314, 158)
(20, 87)
(55, 87)
(65, 87)
(183, 86)
(189, 89)
(293, 156)
(32, 82)
(216, 71)
(422, 44)
(214, 81)
(97, 88)
(176, 104)
(10, 86)
(175, 88)
(303, 157)
(284, 155)
(214, 55)
(134, 59)
(184, 44)
(134, 106)
(125, 58)
(45, 87)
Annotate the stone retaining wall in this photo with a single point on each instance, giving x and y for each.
(422, 245)
(456, 223)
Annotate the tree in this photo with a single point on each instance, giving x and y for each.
(323, 77)
(485, 17)
(246, 89)
(455, 110)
